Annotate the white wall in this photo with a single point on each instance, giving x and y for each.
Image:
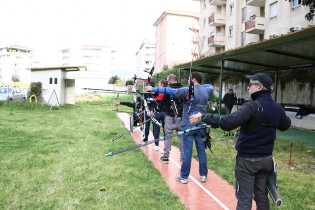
(48, 89)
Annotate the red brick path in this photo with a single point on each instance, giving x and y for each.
(215, 194)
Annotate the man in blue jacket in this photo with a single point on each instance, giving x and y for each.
(258, 121)
(196, 102)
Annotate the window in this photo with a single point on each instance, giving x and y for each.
(244, 14)
(204, 22)
(273, 10)
(231, 31)
(296, 3)
(231, 9)
(243, 42)
(50, 80)
(56, 80)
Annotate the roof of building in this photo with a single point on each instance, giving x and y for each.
(15, 46)
(292, 50)
(62, 68)
(94, 46)
(177, 12)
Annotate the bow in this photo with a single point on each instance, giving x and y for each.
(150, 75)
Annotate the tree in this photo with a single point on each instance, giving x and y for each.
(113, 80)
(129, 82)
(311, 3)
(163, 74)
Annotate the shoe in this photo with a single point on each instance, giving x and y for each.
(156, 148)
(164, 160)
(203, 179)
(182, 180)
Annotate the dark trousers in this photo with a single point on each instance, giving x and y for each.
(147, 122)
(159, 116)
(251, 179)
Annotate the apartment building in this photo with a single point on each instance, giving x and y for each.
(176, 38)
(229, 24)
(145, 58)
(100, 62)
(15, 62)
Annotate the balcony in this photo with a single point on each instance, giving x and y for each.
(217, 2)
(256, 25)
(256, 3)
(216, 41)
(216, 20)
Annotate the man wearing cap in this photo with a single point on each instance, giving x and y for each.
(258, 120)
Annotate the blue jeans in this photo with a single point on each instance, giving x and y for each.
(188, 141)
(159, 116)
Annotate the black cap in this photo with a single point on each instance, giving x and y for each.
(263, 78)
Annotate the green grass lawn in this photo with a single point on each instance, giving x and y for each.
(55, 159)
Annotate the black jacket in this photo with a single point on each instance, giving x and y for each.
(228, 100)
(165, 104)
(258, 123)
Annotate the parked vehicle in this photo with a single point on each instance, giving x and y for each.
(12, 94)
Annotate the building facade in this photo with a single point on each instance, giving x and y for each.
(176, 38)
(15, 62)
(100, 62)
(229, 24)
(145, 58)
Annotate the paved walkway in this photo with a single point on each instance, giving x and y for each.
(215, 194)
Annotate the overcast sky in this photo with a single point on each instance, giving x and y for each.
(47, 26)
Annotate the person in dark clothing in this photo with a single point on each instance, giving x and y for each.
(228, 101)
(159, 116)
(258, 120)
(137, 106)
(150, 104)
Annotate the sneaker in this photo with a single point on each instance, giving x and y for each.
(164, 160)
(156, 148)
(143, 143)
(203, 179)
(182, 180)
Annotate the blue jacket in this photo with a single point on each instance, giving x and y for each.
(201, 96)
(258, 122)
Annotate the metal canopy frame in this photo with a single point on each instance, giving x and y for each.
(289, 51)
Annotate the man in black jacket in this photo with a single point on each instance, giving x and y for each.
(228, 101)
(258, 120)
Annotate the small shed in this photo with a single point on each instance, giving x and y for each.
(58, 83)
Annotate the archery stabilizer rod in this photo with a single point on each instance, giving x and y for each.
(195, 128)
